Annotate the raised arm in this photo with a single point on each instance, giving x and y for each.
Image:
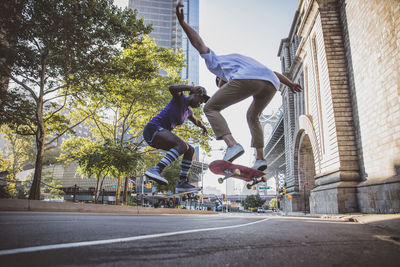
(177, 89)
(193, 36)
(293, 86)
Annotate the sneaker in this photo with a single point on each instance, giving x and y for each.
(233, 152)
(260, 164)
(154, 175)
(184, 186)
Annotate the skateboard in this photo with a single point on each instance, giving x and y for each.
(187, 195)
(244, 173)
(173, 200)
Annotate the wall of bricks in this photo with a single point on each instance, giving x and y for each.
(372, 40)
(372, 44)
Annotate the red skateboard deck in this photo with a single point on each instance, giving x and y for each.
(227, 169)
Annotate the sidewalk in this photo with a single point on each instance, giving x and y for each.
(384, 221)
(44, 206)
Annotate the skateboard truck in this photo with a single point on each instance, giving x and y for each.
(228, 174)
(256, 181)
(236, 172)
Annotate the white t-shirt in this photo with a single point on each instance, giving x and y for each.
(236, 66)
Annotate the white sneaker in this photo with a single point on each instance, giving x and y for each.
(260, 164)
(233, 152)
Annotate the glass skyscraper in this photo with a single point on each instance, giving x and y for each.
(168, 33)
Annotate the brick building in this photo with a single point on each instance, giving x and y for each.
(342, 133)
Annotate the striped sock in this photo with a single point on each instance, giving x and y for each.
(185, 166)
(169, 157)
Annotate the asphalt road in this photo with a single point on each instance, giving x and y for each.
(71, 239)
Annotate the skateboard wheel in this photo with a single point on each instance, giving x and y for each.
(264, 179)
(236, 172)
(220, 180)
(248, 186)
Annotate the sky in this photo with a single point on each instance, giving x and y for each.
(250, 27)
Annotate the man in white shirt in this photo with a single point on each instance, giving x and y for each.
(238, 78)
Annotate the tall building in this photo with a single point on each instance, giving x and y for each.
(168, 33)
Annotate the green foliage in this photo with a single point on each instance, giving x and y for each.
(49, 185)
(272, 203)
(17, 153)
(61, 45)
(171, 173)
(121, 106)
(100, 159)
(253, 201)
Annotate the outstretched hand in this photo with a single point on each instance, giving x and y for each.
(179, 12)
(296, 88)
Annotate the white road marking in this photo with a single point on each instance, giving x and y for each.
(116, 240)
(387, 238)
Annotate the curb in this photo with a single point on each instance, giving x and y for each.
(43, 206)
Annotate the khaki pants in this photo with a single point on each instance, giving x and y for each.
(234, 92)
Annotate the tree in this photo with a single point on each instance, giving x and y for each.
(253, 201)
(272, 204)
(90, 159)
(100, 160)
(17, 153)
(171, 173)
(60, 45)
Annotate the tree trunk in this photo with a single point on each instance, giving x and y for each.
(125, 198)
(101, 188)
(37, 177)
(118, 195)
(96, 191)
(40, 144)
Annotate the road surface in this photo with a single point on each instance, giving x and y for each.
(70, 239)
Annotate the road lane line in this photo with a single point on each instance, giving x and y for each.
(117, 240)
(387, 238)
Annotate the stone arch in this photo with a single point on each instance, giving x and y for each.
(306, 159)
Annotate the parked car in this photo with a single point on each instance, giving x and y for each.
(260, 210)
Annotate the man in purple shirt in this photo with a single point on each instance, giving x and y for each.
(157, 133)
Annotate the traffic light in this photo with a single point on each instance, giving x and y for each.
(284, 191)
(148, 185)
